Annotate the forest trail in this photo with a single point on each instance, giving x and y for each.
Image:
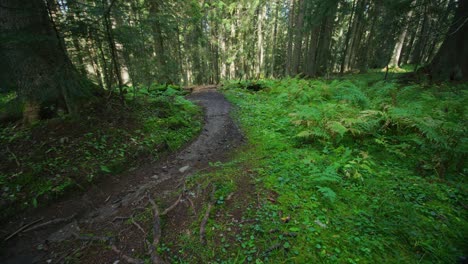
(101, 214)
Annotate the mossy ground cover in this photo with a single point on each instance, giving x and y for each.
(354, 170)
(42, 162)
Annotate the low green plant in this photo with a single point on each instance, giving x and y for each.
(364, 170)
(69, 153)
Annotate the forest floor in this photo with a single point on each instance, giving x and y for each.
(116, 219)
(355, 169)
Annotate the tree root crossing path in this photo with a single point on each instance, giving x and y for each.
(110, 212)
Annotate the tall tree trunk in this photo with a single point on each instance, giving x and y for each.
(421, 43)
(159, 48)
(368, 45)
(39, 67)
(113, 50)
(297, 49)
(344, 55)
(451, 61)
(274, 40)
(326, 30)
(310, 63)
(290, 37)
(260, 45)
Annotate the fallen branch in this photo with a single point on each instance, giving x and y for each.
(229, 197)
(120, 218)
(55, 221)
(93, 238)
(174, 205)
(14, 157)
(23, 228)
(205, 218)
(125, 257)
(203, 224)
(270, 249)
(246, 221)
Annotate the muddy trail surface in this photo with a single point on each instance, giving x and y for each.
(107, 224)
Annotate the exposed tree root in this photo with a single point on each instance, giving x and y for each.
(23, 228)
(174, 205)
(54, 221)
(155, 258)
(138, 226)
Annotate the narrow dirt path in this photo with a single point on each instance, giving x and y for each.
(101, 212)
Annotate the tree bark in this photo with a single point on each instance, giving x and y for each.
(297, 49)
(38, 68)
(159, 48)
(451, 61)
(347, 39)
(274, 40)
(394, 60)
(260, 46)
(326, 30)
(290, 37)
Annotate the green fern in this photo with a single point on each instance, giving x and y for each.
(327, 193)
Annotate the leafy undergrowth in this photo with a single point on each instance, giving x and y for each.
(40, 163)
(355, 170)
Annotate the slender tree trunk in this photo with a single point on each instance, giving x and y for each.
(113, 50)
(232, 64)
(155, 10)
(222, 41)
(297, 49)
(311, 68)
(400, 41)
(368, 46)
(274, 40)
(291, 19)
(260, 45)
(421, 43)
(348, 37)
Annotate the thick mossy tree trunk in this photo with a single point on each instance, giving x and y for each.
(451, 61)
(34, 61)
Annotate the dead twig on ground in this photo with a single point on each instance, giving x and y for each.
(229, 197)
(125, 257)
(203, 224)
(54, 221)
(120, 218)
(23, 228)
(205, 218)
(71, 253)
(138, 226)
